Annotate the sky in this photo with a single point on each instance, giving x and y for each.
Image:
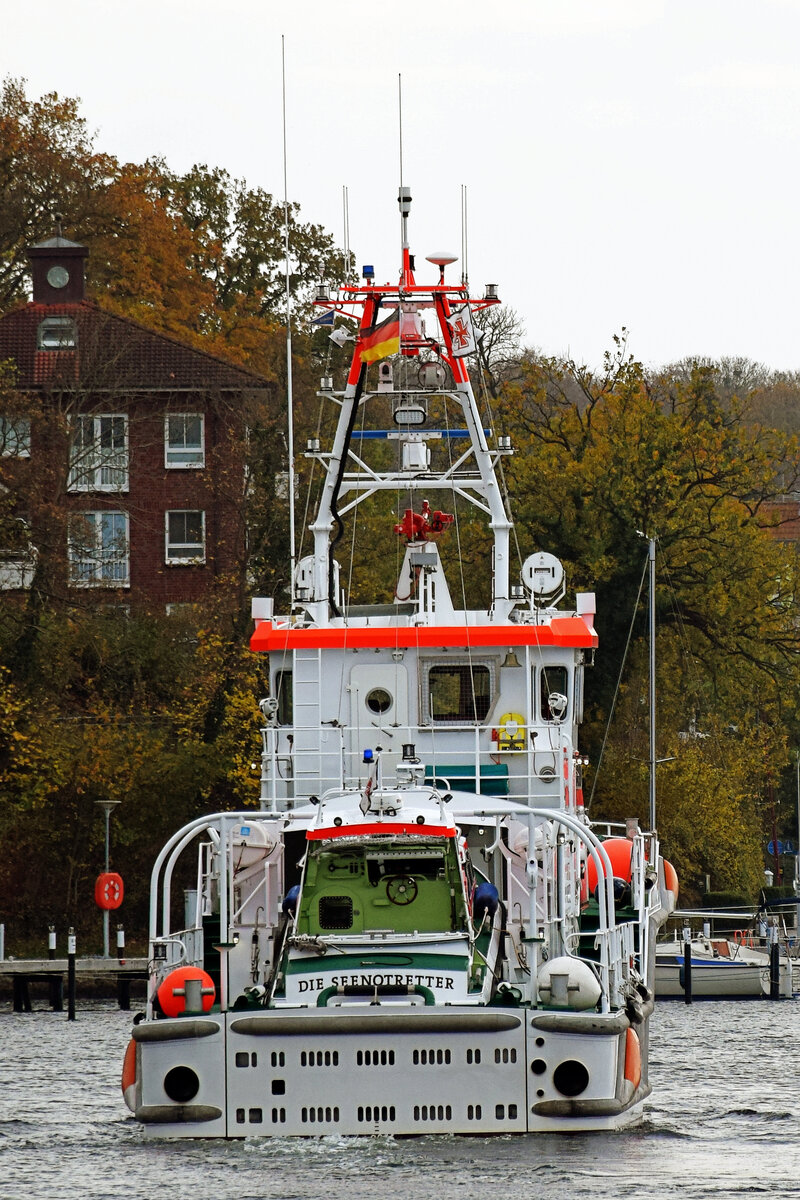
(627, 162)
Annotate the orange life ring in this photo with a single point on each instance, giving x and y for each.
(109, 890)
(129, 1076)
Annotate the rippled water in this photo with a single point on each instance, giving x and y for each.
(723, 1121)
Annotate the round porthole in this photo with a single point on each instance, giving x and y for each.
(379, 701)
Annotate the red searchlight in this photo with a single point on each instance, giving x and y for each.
(109, 890)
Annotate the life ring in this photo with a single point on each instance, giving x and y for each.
(511, 733)
(129, 1076)
(743, 937)
(109, 890)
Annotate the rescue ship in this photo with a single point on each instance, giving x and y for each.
(418, 930)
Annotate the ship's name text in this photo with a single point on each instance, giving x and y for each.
(317, 983)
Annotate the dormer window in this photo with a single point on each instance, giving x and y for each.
(57, 333)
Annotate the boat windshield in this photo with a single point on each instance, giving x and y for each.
(408, 886)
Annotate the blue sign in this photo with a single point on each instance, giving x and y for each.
(783, 848)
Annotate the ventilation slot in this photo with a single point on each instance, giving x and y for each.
(373, 1114)
(319, 1058)
(500, 1112)
(433, 1058)
(319, 1116)
(433, 1112)
(505, 1055)
(375, 1058)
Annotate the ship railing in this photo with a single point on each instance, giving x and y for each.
(614, 942)
(215, 861)
(456, 757)
(622, 945)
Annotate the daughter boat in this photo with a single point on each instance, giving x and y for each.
(419, 931)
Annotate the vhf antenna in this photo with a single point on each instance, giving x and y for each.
(404, 195)
(289, 398)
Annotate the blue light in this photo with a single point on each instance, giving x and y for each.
(368, 756)
(368, 271)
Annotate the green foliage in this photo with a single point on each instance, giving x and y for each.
(160, 714)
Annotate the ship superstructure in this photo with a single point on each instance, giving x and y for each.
(418, 931)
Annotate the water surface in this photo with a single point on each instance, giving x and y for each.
(723, 1121)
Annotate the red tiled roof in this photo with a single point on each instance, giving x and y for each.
(115, 353)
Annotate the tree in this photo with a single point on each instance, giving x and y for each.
(606, 455)
(500, 346)
(48, 165)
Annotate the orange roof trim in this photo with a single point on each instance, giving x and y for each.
(569, 632)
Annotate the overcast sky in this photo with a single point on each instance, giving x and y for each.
(628, 162)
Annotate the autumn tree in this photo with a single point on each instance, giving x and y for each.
(608, 456)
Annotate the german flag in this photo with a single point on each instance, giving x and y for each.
(382, 340)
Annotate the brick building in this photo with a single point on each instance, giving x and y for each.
(128, 471)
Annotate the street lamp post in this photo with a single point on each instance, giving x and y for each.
(108, 807)
(797, 843)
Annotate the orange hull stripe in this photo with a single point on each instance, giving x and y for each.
(562, 631)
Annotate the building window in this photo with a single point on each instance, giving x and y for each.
(184, 440)
(18, 555)
(57, 333)
(15, 437)
(459, 692)
(186, 537)
(99, 549)
(99, 454)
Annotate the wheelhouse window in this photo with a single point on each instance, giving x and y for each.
(553, 683)
(186, 536)
(99, 453)
(99, 549)
(57, 333)
(15, 437)
(184, 440)
(459, 692)
(285, 697)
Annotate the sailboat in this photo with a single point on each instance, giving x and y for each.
(417, 929)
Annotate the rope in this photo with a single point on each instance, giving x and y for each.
(619, 681)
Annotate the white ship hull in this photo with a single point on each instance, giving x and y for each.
(370, 1072)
